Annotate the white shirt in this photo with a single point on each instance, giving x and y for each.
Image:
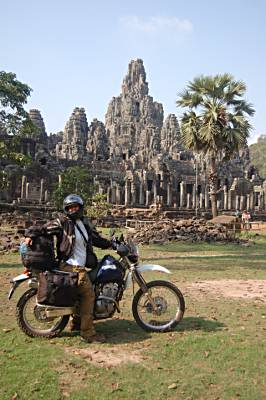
(79, 254)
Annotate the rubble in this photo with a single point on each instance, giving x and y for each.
(10, 241)
(13, 225)
(193, 230)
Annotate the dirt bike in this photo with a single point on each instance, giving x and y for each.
(157, 306)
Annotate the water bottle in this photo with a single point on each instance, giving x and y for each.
(23, 248)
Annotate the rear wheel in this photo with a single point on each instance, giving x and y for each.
(32, 319)
(160, 309)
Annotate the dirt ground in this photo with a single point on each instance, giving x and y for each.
(231, 288)
(107, 357)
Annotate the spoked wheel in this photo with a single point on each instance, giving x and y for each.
(160, 309)
(33, 321)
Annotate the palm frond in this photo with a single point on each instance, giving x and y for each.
(221, 123)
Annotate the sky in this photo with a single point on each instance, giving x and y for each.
(76, 53)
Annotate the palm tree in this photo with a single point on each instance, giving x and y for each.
(215, 123)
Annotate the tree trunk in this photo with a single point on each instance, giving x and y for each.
(213, 186)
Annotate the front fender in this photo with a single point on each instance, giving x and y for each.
(16, 282)
(152, 267)
(146, 267)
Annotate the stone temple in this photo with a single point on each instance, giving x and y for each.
(135, 157)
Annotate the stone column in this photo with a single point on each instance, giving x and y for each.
(222, 200)
(27, 190)
(127, 193)
(230, 206)
(201, 200)
(141, 194)
(237, 202)
(248, 201)
(28, 149)
(194, 196)
(109, 194)
(225, 198)
(259, 201)
(155, 191)
(118, 194)
(23, 187)
(113, 195)
(242, 202)
(189, 201)
(206, 197)
(148, 197)
(182, 194)
(169, 194)
(59, 180)
(46, 196)
(41, 191)
(252, 200)
(133, 194)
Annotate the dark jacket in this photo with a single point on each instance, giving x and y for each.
(64, 229)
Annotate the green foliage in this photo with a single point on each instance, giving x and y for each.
(216, 117)
(258, 155)
(14, 120)
(13, 95)
(215, 123)
(4, 180)
(74, 180)
(8, 151)
(99, 207)
(7, 175)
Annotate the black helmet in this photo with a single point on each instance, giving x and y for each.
(70, 200)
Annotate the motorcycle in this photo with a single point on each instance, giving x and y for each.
(157, 306)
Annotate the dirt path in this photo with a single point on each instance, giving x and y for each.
(107, 357)
(232, 288)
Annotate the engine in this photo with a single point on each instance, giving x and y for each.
(104, 306)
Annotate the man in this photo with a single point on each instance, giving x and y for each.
(246, 220)
(75, 238)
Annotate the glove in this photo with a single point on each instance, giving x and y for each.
(113, 244)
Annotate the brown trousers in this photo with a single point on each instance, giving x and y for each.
(87, 297)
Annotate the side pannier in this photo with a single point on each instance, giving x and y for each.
(40, 255)
(58, 288)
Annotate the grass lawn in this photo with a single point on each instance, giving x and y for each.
(217, 352)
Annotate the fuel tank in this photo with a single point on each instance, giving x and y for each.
(109, 270)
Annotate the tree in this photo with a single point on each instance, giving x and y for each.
(215, 123)
(74, 180)
(98, 206)
(258, 155)
(14, 120)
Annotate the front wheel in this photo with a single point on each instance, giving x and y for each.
(33, 321)
(159, 309)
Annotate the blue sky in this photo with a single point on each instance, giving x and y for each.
(76, 53)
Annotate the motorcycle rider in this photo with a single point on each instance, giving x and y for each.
(75, 237)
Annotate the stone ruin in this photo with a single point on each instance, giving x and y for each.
(135, 157)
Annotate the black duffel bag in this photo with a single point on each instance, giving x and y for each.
(58, 288)
(40, 254)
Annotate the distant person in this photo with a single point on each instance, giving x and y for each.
(246, 220)
(238, 214)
